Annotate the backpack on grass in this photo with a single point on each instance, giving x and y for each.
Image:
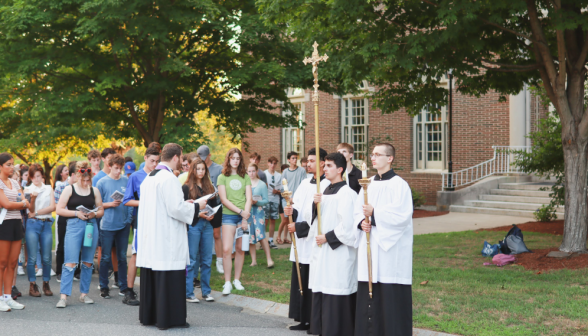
(513, 242)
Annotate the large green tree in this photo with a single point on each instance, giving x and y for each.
(144, 68)
(404, 47)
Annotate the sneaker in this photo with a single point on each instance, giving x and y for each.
(85, 299)
(76, 277)
(238, 285)
(207, 298)
(62, 303)
(130, 298)
(105, 293)
(53, 273)
(192, 299)
(14, 305)
(227, 288)
(58, 277)
(197, 283)
(272, 245)
(115, 285)
(20, 271)
(122, 293)
(219, 266)
(110, 274)
(4, 307)
(15, 292)
(39, 273)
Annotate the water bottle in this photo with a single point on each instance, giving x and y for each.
(245, 241)
(89, 235)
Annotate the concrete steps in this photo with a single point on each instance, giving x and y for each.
(511, 199)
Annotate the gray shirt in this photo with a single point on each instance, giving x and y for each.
(262, 176)
(294, 177)
(214, 170)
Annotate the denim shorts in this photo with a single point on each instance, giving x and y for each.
(233, 220)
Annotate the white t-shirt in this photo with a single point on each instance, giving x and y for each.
(274, 181)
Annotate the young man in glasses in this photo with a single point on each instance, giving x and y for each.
(352, 174)
(301, 214)
(389, 210)
(274, 187)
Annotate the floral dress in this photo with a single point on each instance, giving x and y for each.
(257, 224)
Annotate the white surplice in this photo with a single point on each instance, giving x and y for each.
(334, 272)
(391, 238)
(302, 203)
(163, 214)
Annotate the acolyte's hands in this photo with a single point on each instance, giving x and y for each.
(317, 198)
(288, 211)
(292, 227)
(320, 240)
(368, 210)
(366, 226)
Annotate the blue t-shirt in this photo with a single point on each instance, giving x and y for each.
(117, 218)
(142, 165)
(98, 177)
(134, 186)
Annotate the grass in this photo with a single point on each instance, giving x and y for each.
(463, 296)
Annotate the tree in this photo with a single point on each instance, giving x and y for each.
(144, 68)
(404, 47)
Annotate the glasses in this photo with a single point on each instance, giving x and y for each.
(377, 155)
(83, 170)
(185, 165)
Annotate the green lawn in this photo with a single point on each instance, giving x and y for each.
(463, 296)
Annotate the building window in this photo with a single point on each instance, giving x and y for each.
(430, 129)
(293, 137)
(354, 115)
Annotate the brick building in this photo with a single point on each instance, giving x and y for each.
(421, 141)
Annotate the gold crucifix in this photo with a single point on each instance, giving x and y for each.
(314, 60)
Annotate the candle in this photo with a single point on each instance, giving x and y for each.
(285, 184)
(363, 170)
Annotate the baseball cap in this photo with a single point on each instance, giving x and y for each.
(130, 167)
(203, 151)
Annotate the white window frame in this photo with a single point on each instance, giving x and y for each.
(365, 89)
(296, 96)
(444, 134)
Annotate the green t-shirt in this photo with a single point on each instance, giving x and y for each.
(235, 187)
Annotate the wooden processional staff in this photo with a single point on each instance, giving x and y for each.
(365, 182)
(314, 60)
(287, 194)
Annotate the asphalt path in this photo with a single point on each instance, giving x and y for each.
(112, 317)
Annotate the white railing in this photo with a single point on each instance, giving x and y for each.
(501, 163)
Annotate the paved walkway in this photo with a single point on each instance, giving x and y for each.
(458, 221)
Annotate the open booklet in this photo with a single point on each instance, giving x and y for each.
(85, 210)
(117, 195)
(207, 197)
(209, 211)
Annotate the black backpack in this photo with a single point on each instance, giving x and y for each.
(517, 245)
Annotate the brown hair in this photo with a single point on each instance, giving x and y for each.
(107, 151)
(191, 157)
(390, 150)
(283, 167)
(72, 167)
(255, 156)
(241, 171)
(192, 180)
(94, 153)
(345, 145)
(118, 160)
(83, 165)
(153, 149)
(253, 165)
(304, 159)
(170, 150)
(35, 167)
(58, 172)
(272, 159)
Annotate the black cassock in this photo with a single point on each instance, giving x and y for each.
(163, 298)
(300, 305)
(388, 313)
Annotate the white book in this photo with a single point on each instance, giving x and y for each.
(117, 195)
(207, 197)
(85, 210)
(257, 198)
(209, 211)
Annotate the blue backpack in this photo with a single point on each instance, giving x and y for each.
(490, 250)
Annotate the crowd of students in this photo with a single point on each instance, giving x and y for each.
(241, 199)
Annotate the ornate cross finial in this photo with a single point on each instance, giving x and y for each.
(314, 60)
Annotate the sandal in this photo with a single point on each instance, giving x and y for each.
(286, 241)
(271, 265)
(279, 241)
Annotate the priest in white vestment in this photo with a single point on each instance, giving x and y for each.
(389, 312)
(163, 256)
(333, 263)
(301, 213)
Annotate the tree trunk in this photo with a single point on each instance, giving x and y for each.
(576, 219)
(47, 167)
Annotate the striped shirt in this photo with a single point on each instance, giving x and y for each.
(59, 186)
(12, 194)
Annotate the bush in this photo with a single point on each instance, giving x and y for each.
(418, 198)
(546, 213)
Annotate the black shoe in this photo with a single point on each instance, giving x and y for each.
(187, 325)
(197, 283)
(301, 326)
(105, 293)
(130, 298)
(15, 293)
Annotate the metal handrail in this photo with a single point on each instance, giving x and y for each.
(503, 162)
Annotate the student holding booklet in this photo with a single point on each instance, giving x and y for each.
(200, 233)
(257, 229)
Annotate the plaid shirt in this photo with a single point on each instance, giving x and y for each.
(59, 189)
